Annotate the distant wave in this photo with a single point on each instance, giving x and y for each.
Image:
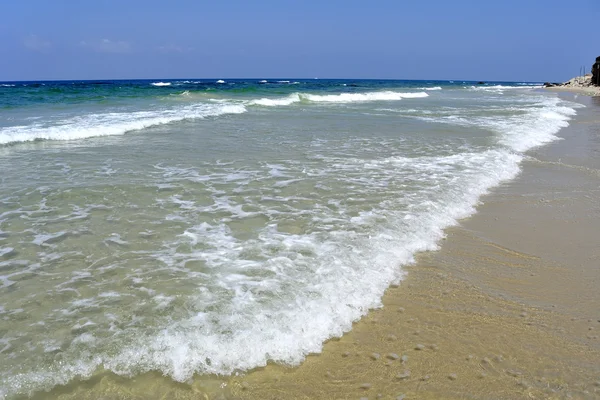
(337, 98)
(363, 97)
(6, 85)
(501, 87)
(110, 124)
(161, 83)
(283, 101)
(432, 88)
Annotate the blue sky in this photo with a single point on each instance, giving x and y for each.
(529, 40)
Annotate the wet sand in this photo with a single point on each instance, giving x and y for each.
(585, 90)
(508, 308)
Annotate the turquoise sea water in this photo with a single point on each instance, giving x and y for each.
(203, 227)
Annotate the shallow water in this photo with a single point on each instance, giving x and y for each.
(212, 227)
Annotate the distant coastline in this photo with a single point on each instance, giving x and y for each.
(579, 85)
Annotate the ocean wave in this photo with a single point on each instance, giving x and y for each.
(362, 97)
(337, 98)
(335, 277)
(529, 128)
(161, 83)
(110, 124)
(499, 88)
(282, 101)
(6, 85)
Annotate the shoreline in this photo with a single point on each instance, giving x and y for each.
(577, 85)
(588, 91)
(507, 306)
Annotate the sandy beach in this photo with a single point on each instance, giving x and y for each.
(506, 309)
(588, 91)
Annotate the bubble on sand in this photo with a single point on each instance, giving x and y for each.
(403, 375)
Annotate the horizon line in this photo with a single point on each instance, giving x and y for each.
(262, 78)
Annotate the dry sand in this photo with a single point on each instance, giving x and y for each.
(509, 308)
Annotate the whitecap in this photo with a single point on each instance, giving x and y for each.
(363, 97)
(282, 101)
(114, 123)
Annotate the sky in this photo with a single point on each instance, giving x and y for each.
(508, 40)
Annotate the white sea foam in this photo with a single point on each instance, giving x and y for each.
(362, 97)
(6, 85)
(282, 101)
(109, 124)
(537, 127)
(331, 278)
(533, 126)
(500, 88)
(337, 98)
(161, 83)
(220, 81)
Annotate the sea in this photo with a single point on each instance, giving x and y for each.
(208, 227)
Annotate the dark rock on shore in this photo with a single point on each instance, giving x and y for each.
(596, 72)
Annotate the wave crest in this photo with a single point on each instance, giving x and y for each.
(337, 98)
(110, 124)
